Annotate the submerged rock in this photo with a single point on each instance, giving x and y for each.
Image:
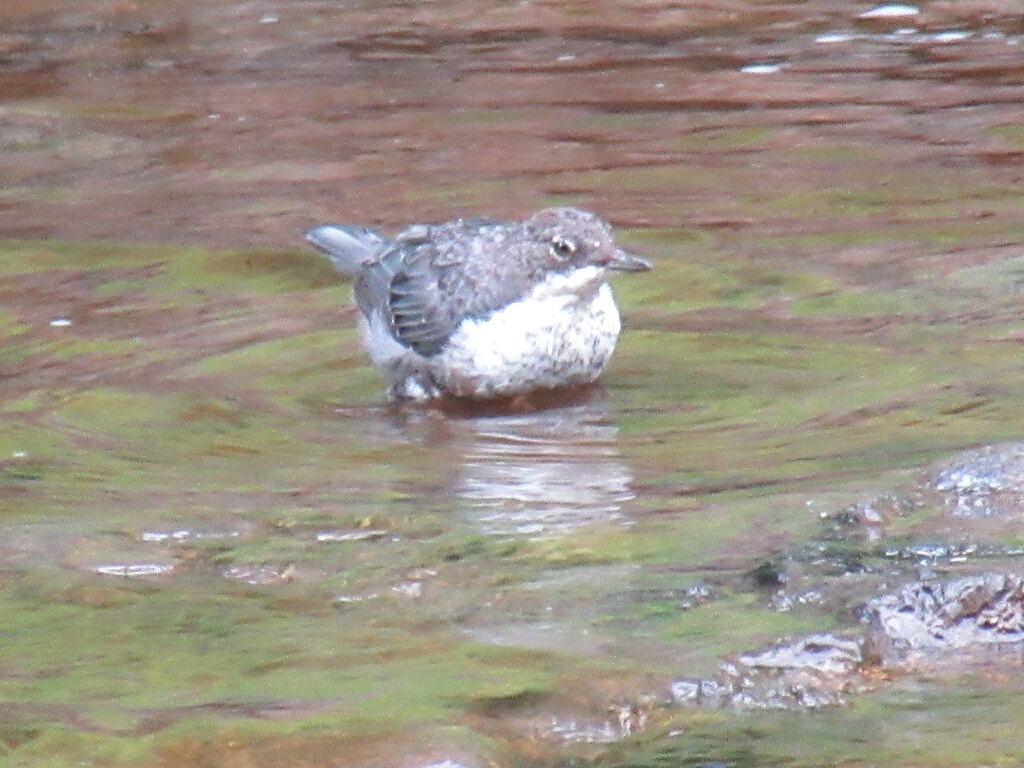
(925, 625)
(819, 654)
(809, 672)
(984, 482)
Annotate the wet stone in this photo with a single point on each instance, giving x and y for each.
(988, 481)
(362, 534)
(179, 535)
(923, 627)
(134, 570)
(806, 673)
(822, 653)
(260, 575)
(976, 619)
(708, 691)
(867, 519)
(577, 732)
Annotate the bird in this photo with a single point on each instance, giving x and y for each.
(481, 309)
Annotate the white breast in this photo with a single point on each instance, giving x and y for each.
(563, 333)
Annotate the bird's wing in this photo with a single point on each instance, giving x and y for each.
(403, 286)
(429, 280)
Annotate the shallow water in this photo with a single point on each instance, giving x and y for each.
(218, 544)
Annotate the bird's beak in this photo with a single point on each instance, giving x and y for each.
(624, 261)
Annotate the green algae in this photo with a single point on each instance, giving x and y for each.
(1012, 132)
(37, 193)
(256, 446)
(836, 303)
(908, 725)
(110, 649)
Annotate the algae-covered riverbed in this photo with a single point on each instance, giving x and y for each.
(218, 545)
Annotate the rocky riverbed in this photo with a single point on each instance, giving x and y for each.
(785, 529)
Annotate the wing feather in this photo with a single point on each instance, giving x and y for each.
(402, 287)
(429, 280)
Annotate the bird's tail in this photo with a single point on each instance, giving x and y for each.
(348, 248)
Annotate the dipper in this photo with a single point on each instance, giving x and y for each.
(481, 309)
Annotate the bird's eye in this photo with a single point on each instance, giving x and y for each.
(562, 248)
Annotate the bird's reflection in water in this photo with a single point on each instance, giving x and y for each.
(538, 472)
